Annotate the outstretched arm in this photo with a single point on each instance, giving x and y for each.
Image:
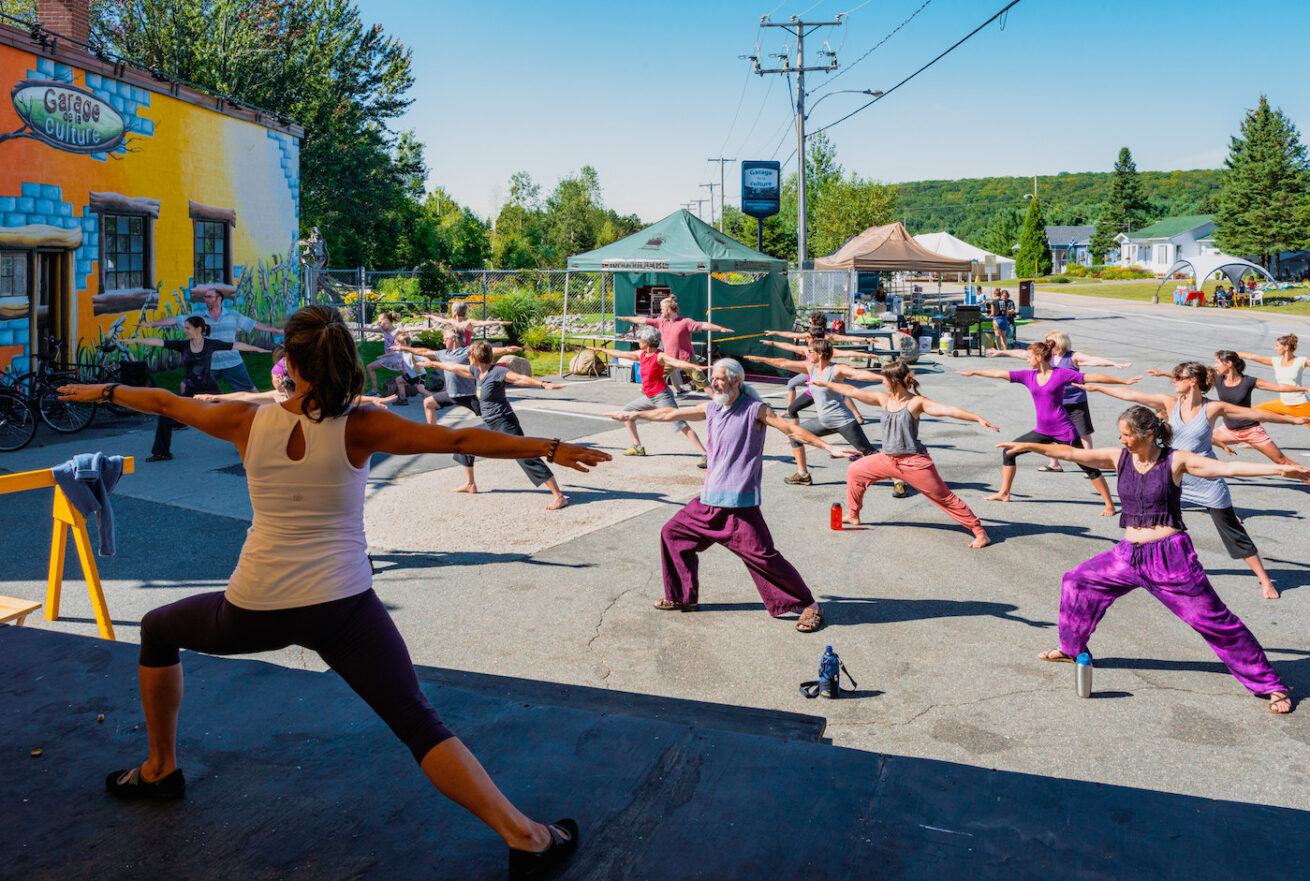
(1104, 458)
(865, 396)
(1162, 403)
(1232, 411)
(988, 374)
(1007, 353)
(1266, 386)
(225, 420)
(946, 411)
(461, 369)
(615, 353)
(530, 381)
(1082, 359)
(259, 397)
(1110, 380)
(663, 414)
(845, 371)
(497, 351)
(246, 347)
(669, 361)
(488, 322)
(789, 334)
(634, 319)
(1204, 466)
(268, 328)
(705, 325)
(416, 350)
(793, 366)
(1259, 359)
(145, 341)
(371, 430)
(799, 350)
(795, 432)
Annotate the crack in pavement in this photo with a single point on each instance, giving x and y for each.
(980, 700)
(601, 623)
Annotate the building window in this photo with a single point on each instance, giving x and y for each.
(212, 252)
(126, 251)
(13, 274)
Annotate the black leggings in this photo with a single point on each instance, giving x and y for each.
(354, 635)
(850, 431)
(803, 400)
(1036, 437)
(536, 469)
(468, 402)
(1237, 541)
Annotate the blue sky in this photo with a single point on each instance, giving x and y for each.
(646, 92)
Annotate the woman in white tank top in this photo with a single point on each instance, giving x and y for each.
(304, 575)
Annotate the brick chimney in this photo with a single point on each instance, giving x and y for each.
(72, 18)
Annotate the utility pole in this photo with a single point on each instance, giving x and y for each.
(698, 203)
(799, 29)
(712, 186)
(722, 189)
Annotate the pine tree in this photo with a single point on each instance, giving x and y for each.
(1125, 210)
(1034, 257)
(1263, 206)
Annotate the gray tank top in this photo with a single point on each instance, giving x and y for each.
(1196, 437)
(833, 412)
(900, 433)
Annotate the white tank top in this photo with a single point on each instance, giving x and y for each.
(306, 542)
(1290, 375)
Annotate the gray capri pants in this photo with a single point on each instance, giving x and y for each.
(663, 399)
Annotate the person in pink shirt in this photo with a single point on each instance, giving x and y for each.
(675, 334)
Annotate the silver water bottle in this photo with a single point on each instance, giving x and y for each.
(1083, 674)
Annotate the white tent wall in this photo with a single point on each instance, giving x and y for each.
(949, 246)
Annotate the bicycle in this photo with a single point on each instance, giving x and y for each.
(17, 421)
(124, 369)
(40, 390)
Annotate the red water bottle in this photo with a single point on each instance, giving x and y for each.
(835, 517)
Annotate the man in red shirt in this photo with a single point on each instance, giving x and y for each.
(675, 335)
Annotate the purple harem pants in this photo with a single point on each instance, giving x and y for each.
(1169, 570)
(742, 531)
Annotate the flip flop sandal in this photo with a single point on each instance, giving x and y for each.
(811, 620)
(1062, 659)
(129, 784)
(1051, 470)
(526, 864)
(671, 606)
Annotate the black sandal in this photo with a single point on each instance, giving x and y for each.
(134, 788)
(525, 864)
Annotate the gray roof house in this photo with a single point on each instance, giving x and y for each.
(1058, 239)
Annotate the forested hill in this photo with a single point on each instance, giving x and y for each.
(968, 208)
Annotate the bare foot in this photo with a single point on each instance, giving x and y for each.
(1268, 591)
(980, 541)
(997, 497)
(851, 521)
(1054, 655)
(466, 488)
(1280, 702)
(1109, 511)
(559, 502)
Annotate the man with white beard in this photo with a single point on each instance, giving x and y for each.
(728, 509)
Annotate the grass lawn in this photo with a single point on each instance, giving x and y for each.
(1144, 290)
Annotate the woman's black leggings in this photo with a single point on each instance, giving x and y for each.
(850, 432)
(1035, 437)
(1237, 541)
(536, 469)
(355, 637)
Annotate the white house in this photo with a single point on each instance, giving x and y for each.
(1159, 246)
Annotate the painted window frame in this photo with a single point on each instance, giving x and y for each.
(203, 217)
(106, 205)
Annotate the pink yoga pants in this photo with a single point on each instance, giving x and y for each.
(916, 470)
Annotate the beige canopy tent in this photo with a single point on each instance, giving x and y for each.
(889, 249)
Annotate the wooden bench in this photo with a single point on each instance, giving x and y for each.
(16, 610)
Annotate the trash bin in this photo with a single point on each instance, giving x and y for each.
(1026, 298)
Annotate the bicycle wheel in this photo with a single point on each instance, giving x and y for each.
(17, 422)
(62, 416)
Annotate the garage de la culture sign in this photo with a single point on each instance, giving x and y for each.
(66, 117)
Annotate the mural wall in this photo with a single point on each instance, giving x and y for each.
(123, 200)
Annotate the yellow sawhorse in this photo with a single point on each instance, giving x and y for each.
(66, 517)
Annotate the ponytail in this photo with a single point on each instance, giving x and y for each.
(1289, 342)
(320, 345)
(1230, 358)
(899, 374)
(1044, 349)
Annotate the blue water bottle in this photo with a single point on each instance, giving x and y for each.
(829, 673)
(1083, 674)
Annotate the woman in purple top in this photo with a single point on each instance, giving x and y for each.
(1156, 553)
(1047, 385)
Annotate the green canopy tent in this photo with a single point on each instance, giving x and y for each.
(683, 253)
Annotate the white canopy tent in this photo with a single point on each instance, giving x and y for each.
(1206, 265)
(948, 245)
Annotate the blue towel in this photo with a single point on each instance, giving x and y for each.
(87, 479)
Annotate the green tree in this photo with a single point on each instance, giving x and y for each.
(1002, 234)
(1263, 206)
(1125, 210)
(313, 61)
(1034, 257)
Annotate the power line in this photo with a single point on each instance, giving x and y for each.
(883, 40)
(955, 46)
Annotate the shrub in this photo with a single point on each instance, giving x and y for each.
(1058, 279)
(1123, 273)
(428, 339)
(538, 338)
(521, 308)
(1077, 270)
